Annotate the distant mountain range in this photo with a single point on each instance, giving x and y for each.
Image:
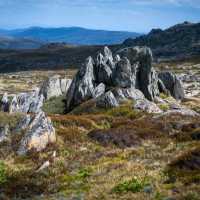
(179, 41)
(71, 35)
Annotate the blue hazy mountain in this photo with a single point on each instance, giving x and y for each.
(70, 35)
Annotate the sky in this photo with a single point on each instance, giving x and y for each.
(129, 15)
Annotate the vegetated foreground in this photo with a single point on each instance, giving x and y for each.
(116, 153)
(162, 162)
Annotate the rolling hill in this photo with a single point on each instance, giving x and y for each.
(19, 43)
(71, 35)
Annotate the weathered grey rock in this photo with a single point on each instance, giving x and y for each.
(99, 90)
(175, 106)
(29, 102)
(105, 74)
(146, 77)
(5, 103)
(152, 88)
(24, 100)
(107, 100)
(40, 133)
(123, 76)
(159, 100)
(103, 71)
(124, 94)
(13, 107)
(132, 93)
(117, 58)
(51, 87)
(82, 86)
(132, 53)
(173, 84)
(4, 132)
(36, 104)
(104, 67)
(65, 84)
(162, 87)
(183, 112)
(108, 57)
(147, 106)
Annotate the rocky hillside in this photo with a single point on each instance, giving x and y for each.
(177, 42)
(19, 43)
(125, 134)
(48, 57)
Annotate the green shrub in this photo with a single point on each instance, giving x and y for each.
(164, 107)
(55, 105)
(134, 185)
(77, 182)
(3, 175)
(83, 173)
(123, 111)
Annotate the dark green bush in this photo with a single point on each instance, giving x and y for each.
(55, 105)
(134, 185)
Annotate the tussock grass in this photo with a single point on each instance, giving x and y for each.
(10, 119)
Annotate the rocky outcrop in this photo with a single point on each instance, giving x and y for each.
(99, 90)
(103, 69)
(173, 84)
(55, 86)
(36, 106)
(51, 87)
(5, 103)
(65, 84)
(124, 94)
(145, 76)
(147, 106)
(123, 74)
(129, 76)
(107, 100)
(30, 102)
(183, 111)
(39, 133)
(82, 87)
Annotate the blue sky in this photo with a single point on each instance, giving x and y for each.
(131, 15)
